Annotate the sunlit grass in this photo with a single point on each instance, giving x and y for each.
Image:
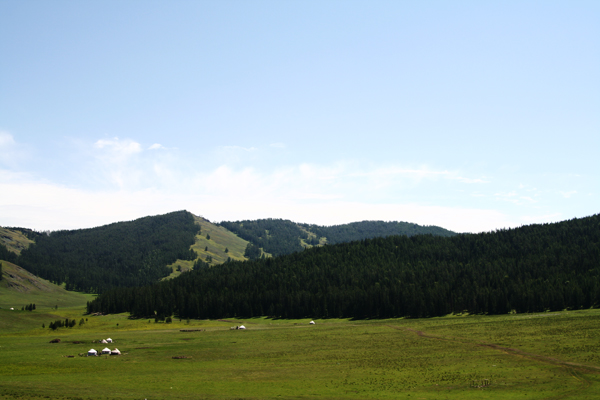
(498, 357)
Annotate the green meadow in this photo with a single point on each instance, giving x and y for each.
(518, 356)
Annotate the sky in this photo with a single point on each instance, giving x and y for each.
(470, 115)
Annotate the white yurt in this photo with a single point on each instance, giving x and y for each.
(109, 340)
(103, 341)
(92, 352)
(312, 322)
(115, 352)
(242, 327)
(106, 350)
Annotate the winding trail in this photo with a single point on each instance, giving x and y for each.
(576, 370)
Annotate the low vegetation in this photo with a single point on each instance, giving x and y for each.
(519, 356)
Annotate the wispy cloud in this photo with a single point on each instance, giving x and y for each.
(514, 198)
(148, 182)
(120, 147)
(238, 148)
(6, 140)
(567, 195)
(11, 152)
(157, 146)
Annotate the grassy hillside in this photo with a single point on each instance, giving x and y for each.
(524, 356)
(19, 288)
(213, 250)
(14, 240)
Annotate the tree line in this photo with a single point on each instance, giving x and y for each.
(528, 269)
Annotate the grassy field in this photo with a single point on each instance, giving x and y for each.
(540, 356)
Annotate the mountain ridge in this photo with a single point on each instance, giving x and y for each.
(532, 268)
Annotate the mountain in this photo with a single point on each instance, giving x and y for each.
(129, 253)
(278, 236)
(528, 269)
(143, 251)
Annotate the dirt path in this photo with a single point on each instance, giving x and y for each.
(574, 369)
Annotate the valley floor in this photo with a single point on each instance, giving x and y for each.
(527, 356)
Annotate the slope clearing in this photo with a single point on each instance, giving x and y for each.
(14, 240)
(214, 245)
(19, 288)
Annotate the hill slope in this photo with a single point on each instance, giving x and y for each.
(527, 269)
(14, 240)
(121, 254)
(279, 237)
(19, 288)
(214, 245)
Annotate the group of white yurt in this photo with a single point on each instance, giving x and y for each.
(105, 350)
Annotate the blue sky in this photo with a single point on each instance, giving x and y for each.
(470, 115)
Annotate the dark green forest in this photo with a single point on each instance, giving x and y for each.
(279, 237)
(130, 253)
(369, 229)
(6, 255)
(274, 236)
(528, 269)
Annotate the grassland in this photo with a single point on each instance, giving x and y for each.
(541, 356)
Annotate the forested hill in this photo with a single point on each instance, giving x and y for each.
(278, 236)
(130, 253)
(527, 269)
(369, 229)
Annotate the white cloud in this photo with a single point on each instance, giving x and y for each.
(43, 206)
(324, 195)
(12, 153)
(117, 162)
(121, 147)
(514, 198)
(237, 148)
(6, 140)
(567, 195)
(471, 180)
(157, 146)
